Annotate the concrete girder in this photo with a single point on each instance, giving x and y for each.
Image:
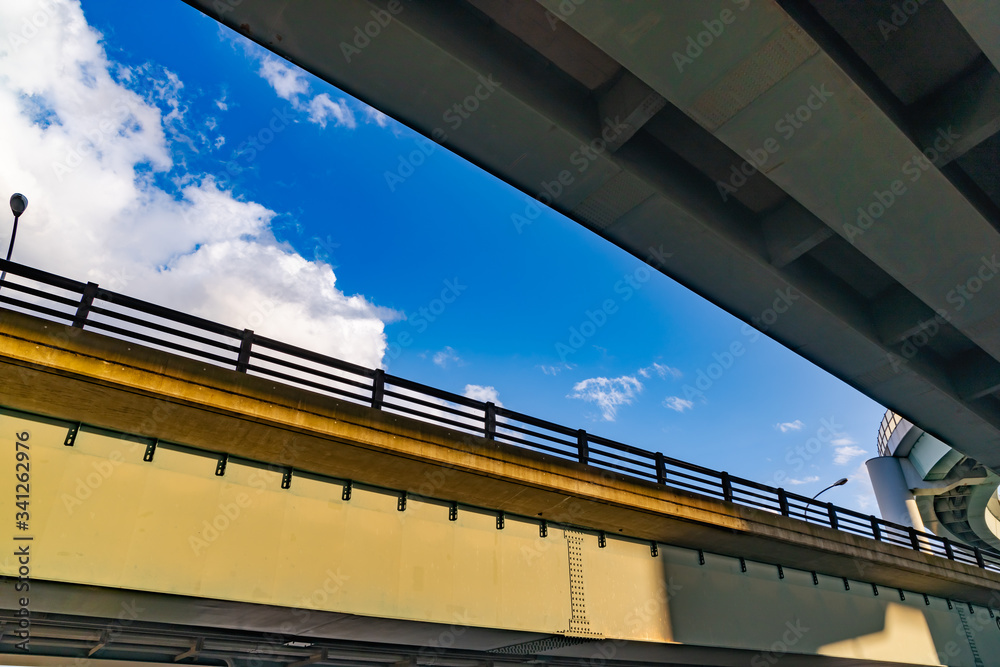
(757, 76)
(960, 117)
(980, 20)
(534, 125)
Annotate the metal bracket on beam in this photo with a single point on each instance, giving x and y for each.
(286, 478)
(949, 604)
(71, 434)
(653, 551)
(902, 596)
(743, 564)
(781, 572)
(195, 649)
(543, 529)
(815, 579)
(220, 467)
(346, 493)
(971, 610)
(102, 642)
(147, 456)
(847, 584)
(875, 590)
(927, 600)
(602, 540)
(701, 557)
(453, 512)
(500, 518)
(401, 502)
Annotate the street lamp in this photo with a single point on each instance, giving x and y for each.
(18, 203)
(839, 482)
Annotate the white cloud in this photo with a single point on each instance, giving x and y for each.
(677, 403)
(287, 80)
(843, 441)
(845, 454)
(608, 393)
(807, 480)
(322, 109)
(292, 84)
(376, 116)
(785, 427)
(84, 146)
(662, 370)
(555, 370)
(480, 393)
(447, 356)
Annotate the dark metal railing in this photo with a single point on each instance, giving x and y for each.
(87, 305)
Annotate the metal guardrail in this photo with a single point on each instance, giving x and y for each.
(120, 316)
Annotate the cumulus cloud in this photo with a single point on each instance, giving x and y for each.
(844, 455)
(447, 356)
(677, 403)
(480, 393)
(92, 144)
(287, 80)
(661, 370)
(785, 427)
(608, 393)
(322, 110)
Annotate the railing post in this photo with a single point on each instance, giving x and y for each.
(876, 531)
(243, 361)
(378, 388)
(583, 448)
(979, 557)
(727, 487)
(783, 502)
(491, 421)
(914, 540)
(661, 468)
(948, 549)
(86, 301)
(832, 511)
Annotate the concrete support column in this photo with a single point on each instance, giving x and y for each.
(895, 501)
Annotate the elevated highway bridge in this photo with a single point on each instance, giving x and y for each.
(825, 171)
(202, 495)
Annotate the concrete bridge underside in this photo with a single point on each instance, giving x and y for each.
(114, 523)
(862, 232)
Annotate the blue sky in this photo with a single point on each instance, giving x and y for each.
(200, 216)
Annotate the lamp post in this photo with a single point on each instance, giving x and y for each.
(839, 482)
(18, 203)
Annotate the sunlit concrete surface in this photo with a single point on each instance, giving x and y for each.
(825, 178)
(174, 529)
